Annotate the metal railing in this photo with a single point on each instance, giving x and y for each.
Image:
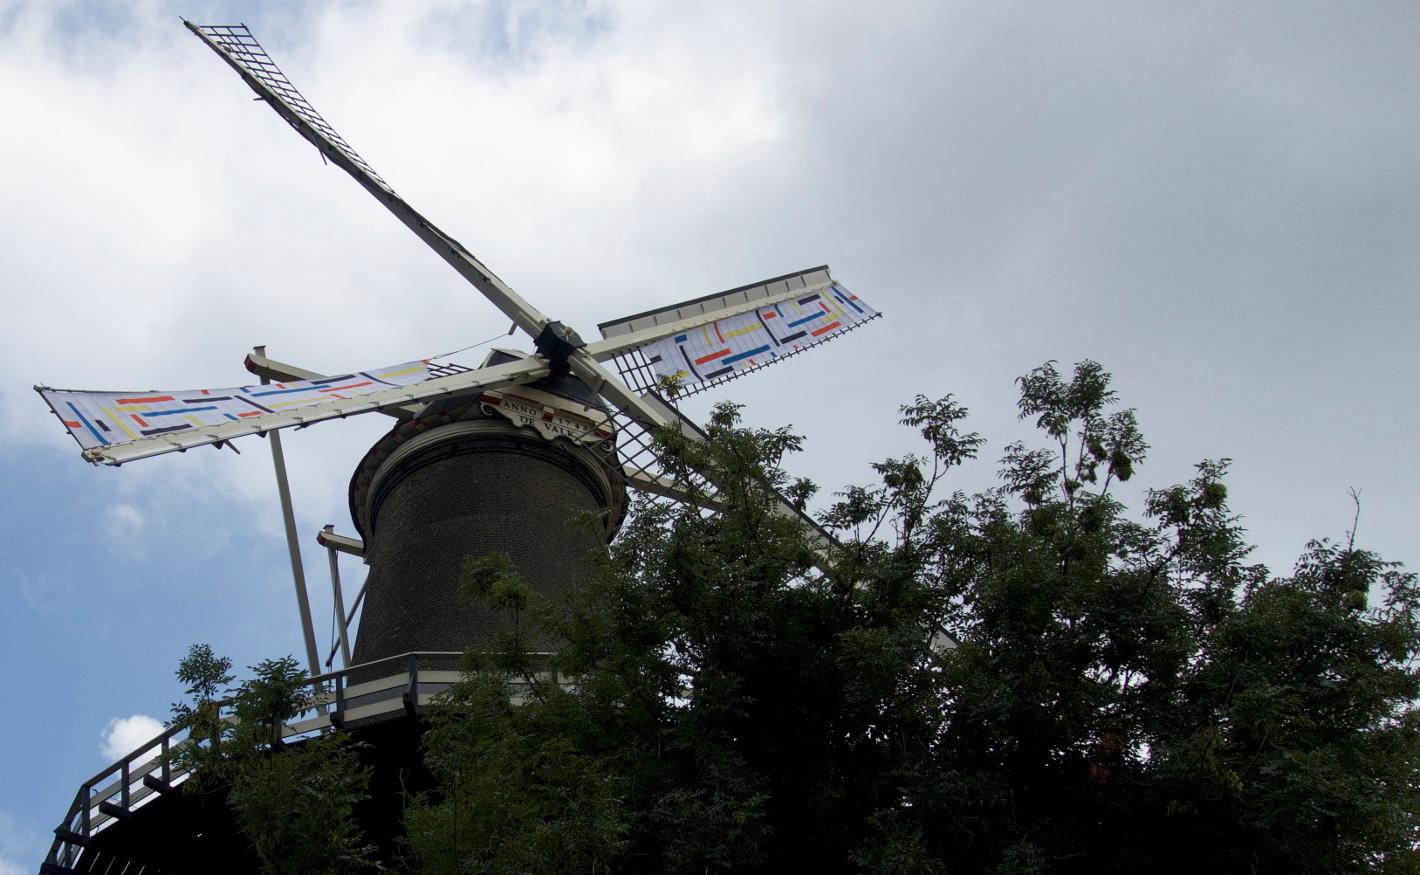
(396, 686)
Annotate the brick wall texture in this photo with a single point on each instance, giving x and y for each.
(467, 496)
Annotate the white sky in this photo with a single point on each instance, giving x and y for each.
(1215, 201)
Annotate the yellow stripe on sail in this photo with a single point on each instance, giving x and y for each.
(401, 373)
(119, 422)
(300, 401)
(746, 330)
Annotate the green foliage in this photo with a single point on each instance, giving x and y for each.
(277, 694)
(1130, 694)
(297, 807)
(494, 581)
(295, 803)
(517, 795)
(205, 674)
(206, 677)
(1124, 692)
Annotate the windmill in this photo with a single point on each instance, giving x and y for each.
(501, 456)
(528, 439)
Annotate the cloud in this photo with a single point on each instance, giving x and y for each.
(1212, 203)
(122, 735)
(17, 843)
(124, 526)
(41, 590)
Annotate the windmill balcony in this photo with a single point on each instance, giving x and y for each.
(134, 817)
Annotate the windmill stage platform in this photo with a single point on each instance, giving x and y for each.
(134, 816)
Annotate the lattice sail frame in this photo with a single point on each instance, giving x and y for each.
(250, 57)
(646, 471)
(636, 453)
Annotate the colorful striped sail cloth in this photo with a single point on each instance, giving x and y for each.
(99, 419)
(717, 351)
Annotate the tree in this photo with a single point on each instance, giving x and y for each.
(295, 804)
(1028, 679)
(206, 676)
(1124, 692)
(1131, 693)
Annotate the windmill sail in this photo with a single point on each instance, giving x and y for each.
(240, 49)
(118, 427)
(100, 419)
(236, 45)
(708, 341)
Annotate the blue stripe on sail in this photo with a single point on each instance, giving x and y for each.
(844, 298)
(688, 363)
(744, 355)
(95, 432)
(152, 413)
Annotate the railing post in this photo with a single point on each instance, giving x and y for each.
(167, 766)
(411, 695)
(86, 793)
(337, 718)
(123, 784)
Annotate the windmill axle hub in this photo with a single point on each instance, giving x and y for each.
(556, 342)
